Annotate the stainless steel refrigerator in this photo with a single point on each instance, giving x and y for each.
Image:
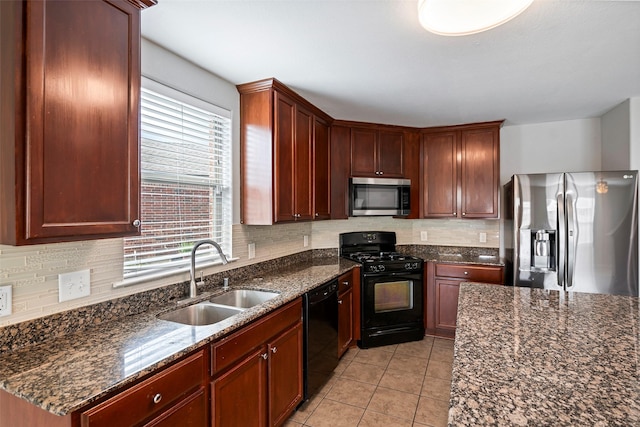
(573, 231)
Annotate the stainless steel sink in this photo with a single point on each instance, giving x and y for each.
(200, 314)
(243, 298)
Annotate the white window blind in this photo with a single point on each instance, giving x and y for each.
(186, 185)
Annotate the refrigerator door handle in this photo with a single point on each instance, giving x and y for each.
(560, 259)
(572, 239)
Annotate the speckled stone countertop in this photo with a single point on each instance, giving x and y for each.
(454, 254)
(531, 357)
(66, 373)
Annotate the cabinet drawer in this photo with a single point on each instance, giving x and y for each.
(345, 282)
(231, 348)
(137, 403)
(475, 273)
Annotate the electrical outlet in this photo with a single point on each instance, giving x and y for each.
(74, 285)
(306, 241)
(423, 236)
(5, 300)
(483, 237)
(252, 250)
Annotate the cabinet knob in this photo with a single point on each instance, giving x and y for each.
(265, 356)
(317, 214)
(274, 349)
(136, 223)
(454, 214)
(339, 301)
(381, 173)
(463, 213)
(466, 273)
(345, 283)
(157, 398)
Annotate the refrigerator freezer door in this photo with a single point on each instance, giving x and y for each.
(536, 219)
(602, 233)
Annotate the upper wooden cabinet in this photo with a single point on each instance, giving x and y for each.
(376, 152)
(70, 82)
(284, 164)
(322, 173)
(461, 171)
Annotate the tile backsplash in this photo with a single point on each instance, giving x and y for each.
(33, 270)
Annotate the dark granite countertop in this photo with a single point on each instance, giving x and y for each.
(532, 357)
(455, 254)
(66, 373)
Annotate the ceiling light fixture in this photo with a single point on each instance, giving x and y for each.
(463, 17)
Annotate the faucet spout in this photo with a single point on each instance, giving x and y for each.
(193, 290)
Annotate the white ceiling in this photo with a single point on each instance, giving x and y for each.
(369, 60)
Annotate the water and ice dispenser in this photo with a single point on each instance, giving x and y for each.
(543, 249)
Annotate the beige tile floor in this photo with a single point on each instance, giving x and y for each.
(393, 386)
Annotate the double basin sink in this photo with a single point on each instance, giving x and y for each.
(218, 308)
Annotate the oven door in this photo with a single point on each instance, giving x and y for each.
(391, 299)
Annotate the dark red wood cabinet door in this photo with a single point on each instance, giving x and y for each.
(440, 175)
(303, 166)
(283, 144)
(364, 153)
(238, 397)
(345, 321)
(82, 79)
(322, 176)
(480, 174)
(390, 154)
(446, 304)
(285, 374)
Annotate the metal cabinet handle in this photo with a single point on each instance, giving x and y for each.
(274, 349)
(265, 356)
(157, 398)
(136, 223)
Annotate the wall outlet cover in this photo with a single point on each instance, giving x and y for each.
(252, 250)
(5, 300)
(305, 241)
(483, 237)
(423, 236)
(74, 285)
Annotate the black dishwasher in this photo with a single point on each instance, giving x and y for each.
(320, 337)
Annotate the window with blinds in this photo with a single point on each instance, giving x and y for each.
(186, 185)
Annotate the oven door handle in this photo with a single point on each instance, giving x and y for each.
(412, 275)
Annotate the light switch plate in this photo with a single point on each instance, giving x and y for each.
(423, 236)
(5, 300)
(74, 285)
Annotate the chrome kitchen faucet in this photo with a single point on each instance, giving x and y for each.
(193, 290)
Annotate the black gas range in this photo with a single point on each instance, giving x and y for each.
(392, 293)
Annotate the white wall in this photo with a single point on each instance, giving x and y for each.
(165, 67)
(634, 133)
(616, 137)
(564, 146)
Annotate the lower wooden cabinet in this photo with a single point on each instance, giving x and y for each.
(348, 310)
(257, 371)
(442, 282)
(345, 313)
(174, 393)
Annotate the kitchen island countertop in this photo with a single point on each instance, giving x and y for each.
(533, 357)
(64, 374)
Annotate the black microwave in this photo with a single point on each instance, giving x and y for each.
(379, 197)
